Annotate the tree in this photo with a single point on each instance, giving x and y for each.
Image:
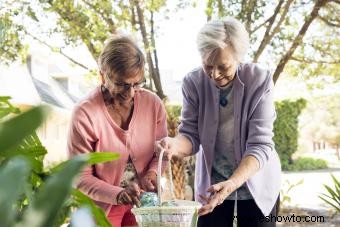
(79, 22)
(279, 35)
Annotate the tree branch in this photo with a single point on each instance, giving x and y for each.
(154, 75)
(59, 50)
(65, 16)
(308, 60)
(282, 17)
(250, 8)
(259, 26)
(267, 37)
(327, 22)
(298, 39)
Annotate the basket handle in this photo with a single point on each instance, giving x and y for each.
(159, 175)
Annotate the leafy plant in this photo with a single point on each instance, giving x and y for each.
(333, 195)
(286, 129)
(29, 194)
(307, 164)
(287, 187)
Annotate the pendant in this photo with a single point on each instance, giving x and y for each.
(223, 101)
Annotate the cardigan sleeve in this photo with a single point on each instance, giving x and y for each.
(260, 124)
(160, 131)
(81, 140)
(189, 115)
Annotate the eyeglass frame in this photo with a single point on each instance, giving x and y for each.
(127, 86)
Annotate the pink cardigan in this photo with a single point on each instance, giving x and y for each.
(93, 130)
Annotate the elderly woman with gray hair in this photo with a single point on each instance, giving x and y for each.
(227, 122)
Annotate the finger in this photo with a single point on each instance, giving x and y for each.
(204, 198)
(215, 188)
(136, 201)
(205, 210)
(135, 190)
(154, 182)
(163, 143)
(127, 198)
(122, 198)
(149, 185)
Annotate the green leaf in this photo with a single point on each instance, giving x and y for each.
(337, 185)
(331, 203)
(13, 177)
(51, 197)
(14, 130)
(6, 107)
(30, 147)
(93, 158)
(332, 193)
(98, 213)
(99, 157)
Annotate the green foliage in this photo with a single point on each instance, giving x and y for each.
(12, 175)
(6, 107)
(50, 198)
(29, 194)
(286, 188)
(333, 195)
(11, 32)
(286, 129)
(307, 164)
(24, 125)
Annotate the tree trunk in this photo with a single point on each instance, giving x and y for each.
(154, 74)
(298, 39)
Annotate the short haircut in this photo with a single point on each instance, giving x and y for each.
(121, 57)
(218, 34)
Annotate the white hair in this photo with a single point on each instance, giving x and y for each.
(218, 34)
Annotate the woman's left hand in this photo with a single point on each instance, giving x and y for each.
(219, 192)
(149, 181)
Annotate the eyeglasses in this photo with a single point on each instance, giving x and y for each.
(126, 87)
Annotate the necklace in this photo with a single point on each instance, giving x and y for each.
(224, 92)
(120, 113)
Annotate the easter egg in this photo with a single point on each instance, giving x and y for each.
(149, 199)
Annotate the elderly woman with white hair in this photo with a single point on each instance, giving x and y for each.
(227, 122)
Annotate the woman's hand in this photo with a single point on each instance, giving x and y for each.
(167, 144)
(219, 192)
(130, 195)
(149, 181)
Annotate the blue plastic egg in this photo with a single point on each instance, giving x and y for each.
(149, 199)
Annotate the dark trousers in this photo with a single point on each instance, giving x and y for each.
(248, 215)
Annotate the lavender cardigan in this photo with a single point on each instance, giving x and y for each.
(254, 114)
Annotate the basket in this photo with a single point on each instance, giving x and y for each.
(182, 215)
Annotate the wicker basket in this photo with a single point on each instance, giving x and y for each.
(182, 215)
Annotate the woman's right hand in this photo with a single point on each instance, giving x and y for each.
(130, 195)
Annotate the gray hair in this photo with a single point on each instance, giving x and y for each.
(218, 34)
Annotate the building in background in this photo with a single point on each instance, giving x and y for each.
(42, 81)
